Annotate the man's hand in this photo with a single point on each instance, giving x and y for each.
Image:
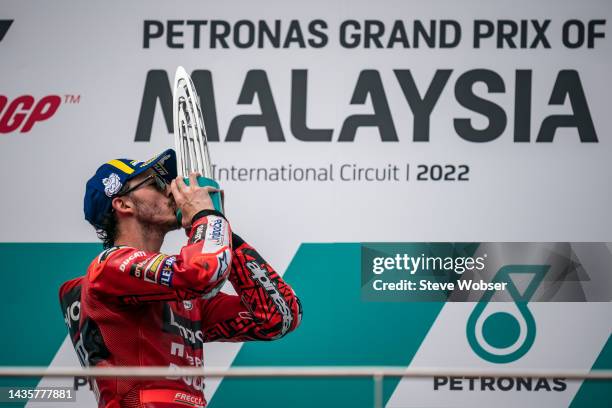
(192, 198)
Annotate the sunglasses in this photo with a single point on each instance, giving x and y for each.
(154, 179)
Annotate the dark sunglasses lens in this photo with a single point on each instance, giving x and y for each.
(160, 183)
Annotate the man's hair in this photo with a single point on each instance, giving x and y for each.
(107, 230)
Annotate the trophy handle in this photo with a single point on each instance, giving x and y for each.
(192, 153)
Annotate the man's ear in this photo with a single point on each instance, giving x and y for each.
(123, 205)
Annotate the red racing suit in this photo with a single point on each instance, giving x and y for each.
(138, 308)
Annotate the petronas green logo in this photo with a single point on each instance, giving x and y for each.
(502, 332)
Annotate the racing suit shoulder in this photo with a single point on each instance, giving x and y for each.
(97, 265)
(131, 275)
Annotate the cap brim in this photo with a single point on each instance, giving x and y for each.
(163, 164)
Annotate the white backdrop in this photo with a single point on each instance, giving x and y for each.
(557, 191)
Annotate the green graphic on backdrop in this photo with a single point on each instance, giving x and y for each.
(596, 393)
(32, 324)
(502, 330)
(338, 329)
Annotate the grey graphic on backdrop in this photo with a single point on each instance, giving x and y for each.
(578, 272)
(4, 27)
(501, 271)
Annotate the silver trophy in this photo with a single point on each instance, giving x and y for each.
(192, 153)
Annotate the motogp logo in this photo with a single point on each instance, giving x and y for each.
(24, 112)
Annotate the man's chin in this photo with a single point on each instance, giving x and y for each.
(172, 225)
